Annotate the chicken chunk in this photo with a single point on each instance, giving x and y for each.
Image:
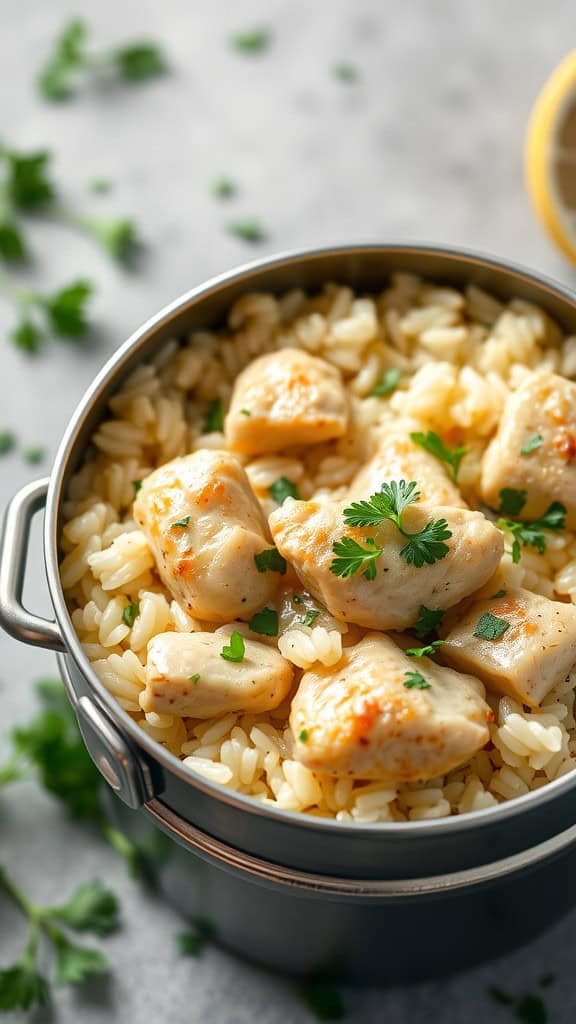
(361, 718)
(535, 650)
(304, 532)
(286, 398)
(205, 526)
(398, 457)
(186, 675)
(541, 413)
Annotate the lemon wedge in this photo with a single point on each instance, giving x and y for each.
(551, 156)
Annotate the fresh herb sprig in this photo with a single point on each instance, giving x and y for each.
(532, 533)
(61, 314)
(428, 621)
(424, 546)
(422, 652)
(71, 60)
(434, 445)
(92, 908)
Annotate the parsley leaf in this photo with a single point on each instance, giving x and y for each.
(415, 681)
(130, 614)
(12, 244)
(387, 383)
(323, 1001)
(427, 621)
(248, 229)
(117, 236)
(434, 445)
(92, 908)
(7, 441)
(75, 963)
(223, 187)
(270, 560)
(195, 678)
(34, 454)
(420, 652)
(512, 501)
(532, 444)
(252, 40)
(183, 523)
(282, 489)
(22, 987)
(345, 72)
(26, 336)
(303, 737)
(214, 419)
(28, 186)
(351, 558)
(140, 61)
(310, 617)
(66, 309)
(55, 78)
(531, 533)
(427, 546)
(490, 627)
(265, 622)
(235, 650)
(136, 484)
(499, 593)
(190, 943)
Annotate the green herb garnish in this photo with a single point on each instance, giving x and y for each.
(345, 72)
(512, 501)
(421, 652)
(117, 236)
(214, 417)
(265, 622)
(70, 58)
(303, 737)
(310, 617)
(531, 533)
(270, 560)
(34, 454)
(12, 244)
(61, 313)
(248, 229)
(245, 412)
(251, 41)
(136, 484)
(490, 627)
(190, 943)
(130, 614)
(297, 599)
(100, 186)
(532, 444)
(499, 593)
(223, 187)
(282, 489)
(387, 383)
(434, 445)
(351, 558)
(235, 650)
(28, 186)
(195, 678)
(92, 908)
(181, 522)
(425, 546)
(415, 681)
(427, 621)
(7, 441)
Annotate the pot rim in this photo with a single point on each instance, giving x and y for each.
(118, 362)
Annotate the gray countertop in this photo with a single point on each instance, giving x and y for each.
(427, 144)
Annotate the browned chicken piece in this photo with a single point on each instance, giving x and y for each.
(534, 649)
(398, 457)
(186, 675)
(205, 527)
(286, 398)
(364, 717)
(304, 532)
(541, 413)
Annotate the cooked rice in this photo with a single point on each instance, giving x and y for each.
(460, 352)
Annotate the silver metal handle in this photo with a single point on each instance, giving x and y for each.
(14, 617)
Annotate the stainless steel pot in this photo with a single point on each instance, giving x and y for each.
(382, 901)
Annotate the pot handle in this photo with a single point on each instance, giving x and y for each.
(14, 617)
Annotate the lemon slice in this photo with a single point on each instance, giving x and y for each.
(551, 156)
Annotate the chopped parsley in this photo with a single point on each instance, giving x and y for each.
(34, 454)
(7, 441)
(214, 419)
(387, 383)
(351, 558)
(192, 943)
(490, 627)
(434, 445)
(181, 523)
(531, 533)
(245, 412)
(235, 650)
(136, 484)
(499, 593)
(310, 617)
(297, 599)
(129, 614)
(270, 560)
(223, 187)
(250, 41)
(512, 501)
(532, 444)
(248, 229)
(344, 71)
(12, 243)
(421, 652)
(415, 681)
(428, 621)
(62, 313)
(303, 737)
(282, 489)
(425, 546)
(28, 185)
(265, 622)
(195, 678)
(117, 236)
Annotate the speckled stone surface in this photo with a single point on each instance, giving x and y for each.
(427, 144)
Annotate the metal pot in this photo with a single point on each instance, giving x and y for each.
(297, 893)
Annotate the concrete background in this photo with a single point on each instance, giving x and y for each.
(427, 144)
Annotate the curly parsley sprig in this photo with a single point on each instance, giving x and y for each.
(92, 908)
(434, 445)
(40, 315)
(532, 533)
(424, 546)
